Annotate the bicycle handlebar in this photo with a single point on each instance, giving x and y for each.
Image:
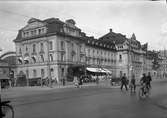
(5, 102)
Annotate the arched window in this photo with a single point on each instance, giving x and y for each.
(34, 48)
(34, 59)
(42, 58)
(42, 72)
(20, 61)
(34, 73)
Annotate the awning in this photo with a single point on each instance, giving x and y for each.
(26, 59)
(20, 59)
(99, 70)
(107, 70)
(93, 69)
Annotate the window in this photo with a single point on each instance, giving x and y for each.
(62, 57)
(42, 72)
(35, 32)
(51, 57)
(39, 31)
(42, 58)
(72, 45)
(41, 46)
(120, 73)
(62, 45)
(27, 73)
(50, 45)
(34, 73)
(34, 48)
(43, 30)
(62, 72)
(72, 57)
(120, 57)
(27, 33)
(32, 33)
(34, 60)
(26, 49)
(20, 52)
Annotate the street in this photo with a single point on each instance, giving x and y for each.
(92, 102)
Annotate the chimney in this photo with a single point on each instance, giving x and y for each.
(110, 30)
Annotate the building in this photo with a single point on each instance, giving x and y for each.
(56, 50)
(9, 59)
(4, 74)
(46, 48)
(101, 54)
(162, 60)
(150, 57)
(130, 55)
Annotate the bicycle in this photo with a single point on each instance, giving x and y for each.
(144, 91)
(6, 110)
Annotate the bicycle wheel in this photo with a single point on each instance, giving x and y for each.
(8, 111)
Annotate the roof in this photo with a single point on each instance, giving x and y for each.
(113, 37)
(91, 41)
(54, 26)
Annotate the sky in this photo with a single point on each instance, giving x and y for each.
(148, 20)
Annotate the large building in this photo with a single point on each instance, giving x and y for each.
(50, 48)
(130, 56)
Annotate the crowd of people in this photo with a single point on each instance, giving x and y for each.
(145, 81)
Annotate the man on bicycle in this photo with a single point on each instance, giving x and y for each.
(144, 82)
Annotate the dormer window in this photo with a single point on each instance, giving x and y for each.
(32, 33)
(39, 31)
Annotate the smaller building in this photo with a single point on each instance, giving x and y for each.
(162, 60)
(9, 58)
(4, 75)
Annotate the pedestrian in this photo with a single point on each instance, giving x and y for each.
(97, 80)
(80, 81)
(133, 83)
(76, 82)
(149, 79)
(124, 81)
(64, 81)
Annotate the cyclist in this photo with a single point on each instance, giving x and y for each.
(143, 82)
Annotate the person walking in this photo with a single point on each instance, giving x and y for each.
(124, 81)
(133, 84)
(149, 79)
(76, 82)
(64, 81)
